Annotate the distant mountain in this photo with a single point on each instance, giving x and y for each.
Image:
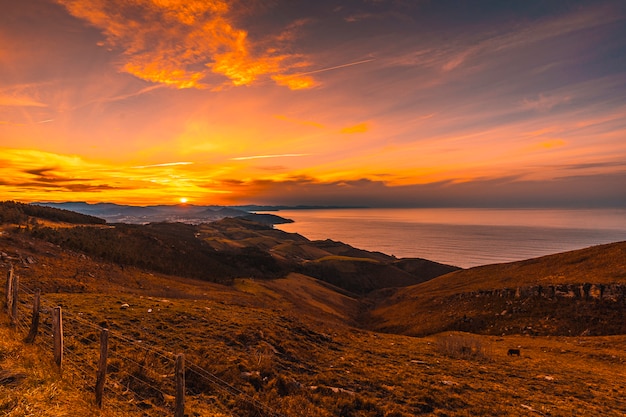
(183, 213)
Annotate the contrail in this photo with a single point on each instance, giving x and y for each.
(337, 67)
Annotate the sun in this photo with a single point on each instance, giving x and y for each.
(183, 200)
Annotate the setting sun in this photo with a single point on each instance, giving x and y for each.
(209, 100)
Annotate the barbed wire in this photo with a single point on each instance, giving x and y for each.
(230, 389)
(81, 371)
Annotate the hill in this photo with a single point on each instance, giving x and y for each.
(288, 343)
(572, 293)
(223, 250)
(12, 212)
(297, 345)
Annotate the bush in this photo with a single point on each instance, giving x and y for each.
(461, 345)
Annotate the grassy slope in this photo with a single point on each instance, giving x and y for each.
(30, 385)
(323, 368)
(295, 332)
(427, 307)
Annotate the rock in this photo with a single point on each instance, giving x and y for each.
(124, 306)
(250, 375)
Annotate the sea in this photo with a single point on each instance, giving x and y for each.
(465, 237)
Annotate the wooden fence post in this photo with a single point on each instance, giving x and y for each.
(57, 332)
(179, 374)
(15, 287)
(8, 290)
(34, 325)
(102, 366)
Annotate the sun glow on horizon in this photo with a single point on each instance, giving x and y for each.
(207, 102)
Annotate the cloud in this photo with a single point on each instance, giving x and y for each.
(33, 172)
(295, 82)
(359, 128)
(547, 145)
(286, 155)
(166, 164)
(601, 190)
(469, 49)
(545, 103)
(20, 101)
(299, 122)
(185, 43)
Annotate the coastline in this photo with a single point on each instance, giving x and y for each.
(462, 237)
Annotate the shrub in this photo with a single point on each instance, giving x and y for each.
(462, 345)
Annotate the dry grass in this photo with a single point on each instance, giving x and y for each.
(463, 345)
(602, 264)
(32, 386)
(303, 367)
(405, 310)
(287, 344)
(346, 258)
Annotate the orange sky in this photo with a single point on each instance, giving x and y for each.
(377, 103)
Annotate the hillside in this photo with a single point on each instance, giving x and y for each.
(289, 344)
(572, 293)
(341, 265)
(297, 345)
(223, 250)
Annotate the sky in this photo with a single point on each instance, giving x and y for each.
(380, 103)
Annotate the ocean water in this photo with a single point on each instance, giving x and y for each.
(462, 237)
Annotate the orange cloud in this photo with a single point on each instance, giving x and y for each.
(547, 144)
(20, 101)
(181, 43)
(295, 82)
(360, 128)
(285, 155)
(556, 143)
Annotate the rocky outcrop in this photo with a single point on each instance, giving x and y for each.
(586, 291)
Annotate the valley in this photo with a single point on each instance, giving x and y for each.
(291, 327)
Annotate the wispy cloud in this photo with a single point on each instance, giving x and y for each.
(466, 49)
(166, 164)
(285, 155)
(545, 102)
(20, 101)
(358, 128)
(300, 122)
(511, 191)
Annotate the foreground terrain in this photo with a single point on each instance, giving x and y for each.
(301, 345)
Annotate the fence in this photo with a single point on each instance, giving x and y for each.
(110, 363)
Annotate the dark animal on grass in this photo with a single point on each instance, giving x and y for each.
(513, 352)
